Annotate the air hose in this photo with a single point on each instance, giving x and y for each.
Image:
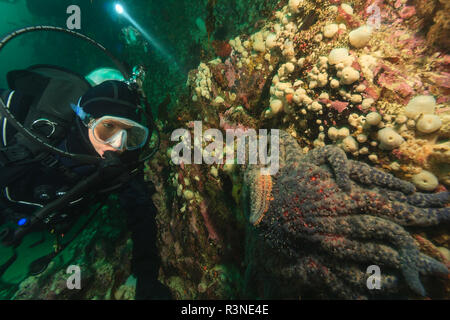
(19, 32)
(110, 170)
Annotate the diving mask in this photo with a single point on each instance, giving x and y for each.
(119, 133)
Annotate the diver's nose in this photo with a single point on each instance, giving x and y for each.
(109, 148)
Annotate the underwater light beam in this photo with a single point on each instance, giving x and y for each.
(120, 10)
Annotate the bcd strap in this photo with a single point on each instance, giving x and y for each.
(23, 152)
(13, 154)
(51, 163)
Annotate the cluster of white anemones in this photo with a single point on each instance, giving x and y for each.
(203, 82)
(419, 114)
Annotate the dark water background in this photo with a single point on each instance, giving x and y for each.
(174, 24)
(98, 21)
(50, 47)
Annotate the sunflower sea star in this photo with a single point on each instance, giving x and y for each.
(329, 218)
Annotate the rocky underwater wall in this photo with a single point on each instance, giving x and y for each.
(362, 76)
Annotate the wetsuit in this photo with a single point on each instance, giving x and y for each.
(134, 197)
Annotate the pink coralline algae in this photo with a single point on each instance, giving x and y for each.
(442, 80)
(230, 73)
(349, 19)
(356, 65)
(329, 218)
(407, 12)
(398, 4)
(404, 89)
(339, 105)
(395, 82)
(371, 93)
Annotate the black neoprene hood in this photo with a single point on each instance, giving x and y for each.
(111, 98)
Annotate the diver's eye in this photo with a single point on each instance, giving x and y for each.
(108, 125)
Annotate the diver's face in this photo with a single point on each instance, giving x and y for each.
(101, 148)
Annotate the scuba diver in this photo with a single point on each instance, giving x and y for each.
(66, 145)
